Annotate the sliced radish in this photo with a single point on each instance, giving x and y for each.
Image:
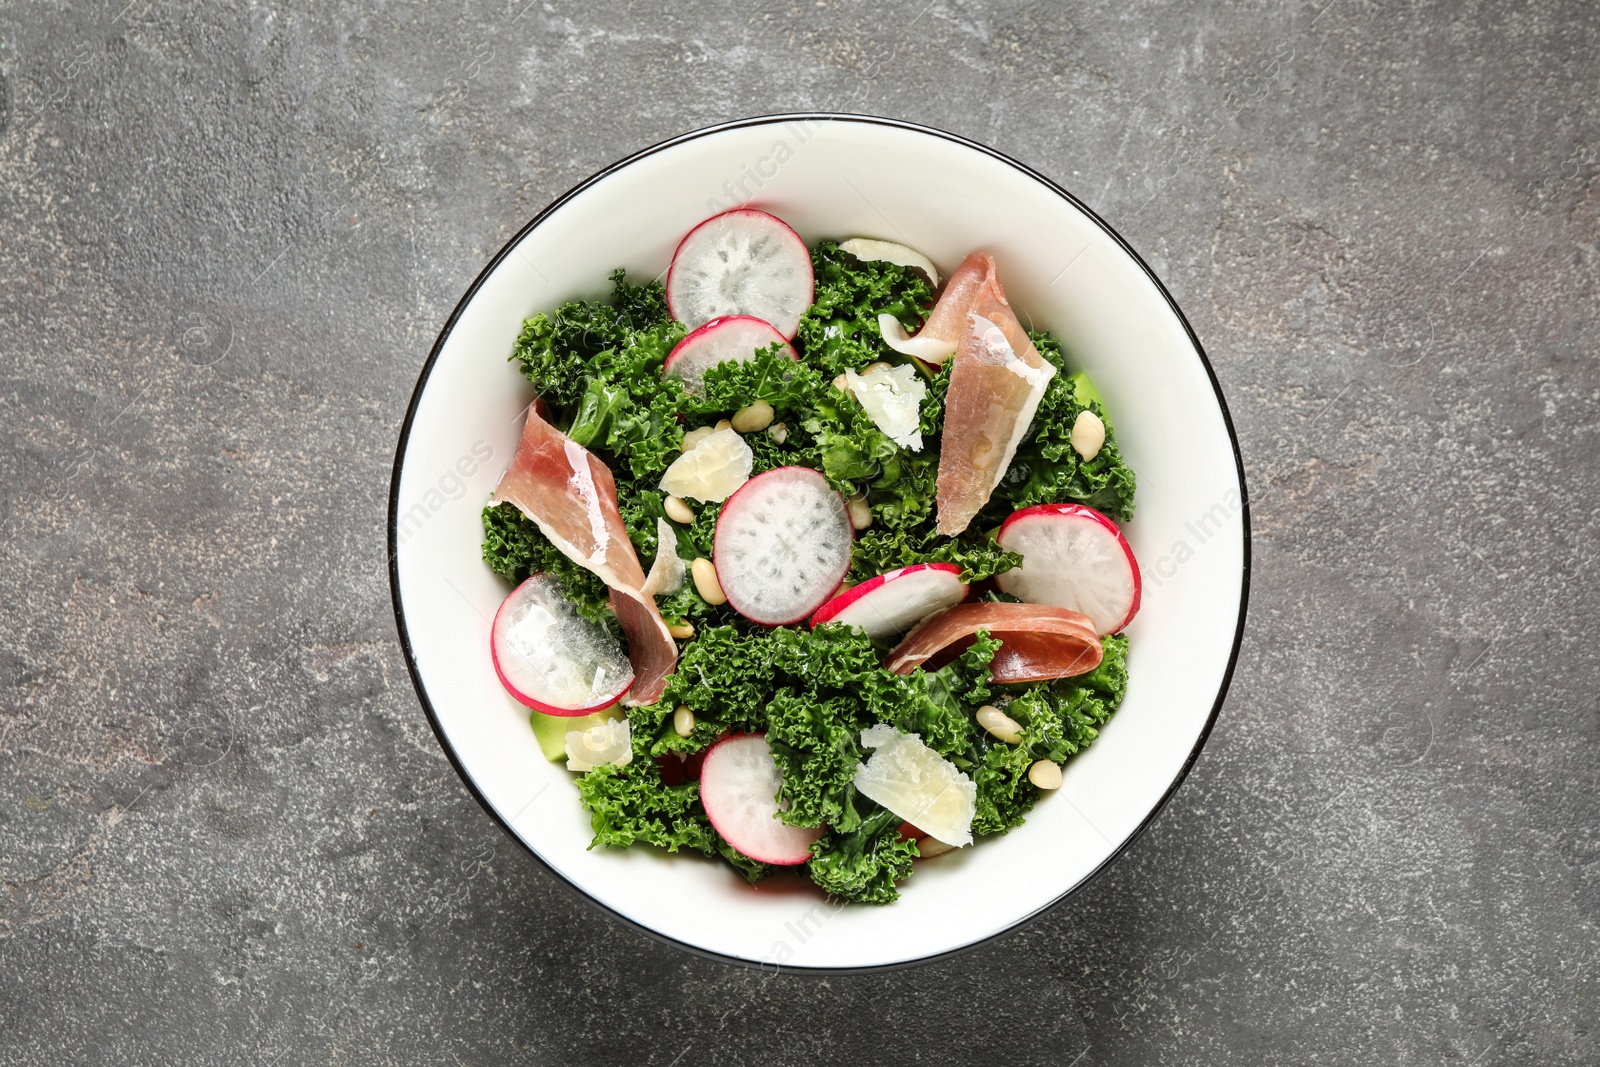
(1072, 557)
(891, 604)
(741, 262)
(734, 339)
(739, 784)
(782, 545)
(551, 658)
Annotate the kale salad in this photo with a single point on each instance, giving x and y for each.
(815, 556)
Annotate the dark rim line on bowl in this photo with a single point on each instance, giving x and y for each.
(394, 509)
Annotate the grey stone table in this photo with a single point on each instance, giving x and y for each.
(228, 238)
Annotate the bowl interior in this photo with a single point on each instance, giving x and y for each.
(1061, 268)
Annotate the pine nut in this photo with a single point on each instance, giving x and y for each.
(840, 384)
(879, 365)
(1088, 435)
(694, 437)
(929, 847)
(1045, 775)
(1002, 726)
(677, 510)
(683, 721)
(723, 424)
(753, 417)
(860, 513)
(681, 630)
(778, 432)
(705, 581)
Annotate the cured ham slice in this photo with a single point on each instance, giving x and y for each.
(948, 319)
(995, 387)
(572, 498)
(1037, 643)
(937, 340)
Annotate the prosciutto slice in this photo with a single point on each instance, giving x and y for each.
(948, 319)
(1037, 643)
(995, 387)
(936, 341)
(572, 498)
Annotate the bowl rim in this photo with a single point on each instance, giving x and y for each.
(392, 532)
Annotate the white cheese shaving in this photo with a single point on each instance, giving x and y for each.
(870, 248)
(608, 742)
(666, 573)
(927, 349)
(892, 396)
(917, 784)
(720, 463)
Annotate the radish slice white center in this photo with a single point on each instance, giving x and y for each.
(551, 658)
(892, 604)
(782, 545)
(742, 262)
(1072, 557)
(739, 785)
(730, 340)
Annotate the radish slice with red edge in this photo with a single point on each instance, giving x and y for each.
(1072, 557)
(733, 339)
(551, 658)
(741, 262)
(739, 783)
(782, 545)
(891, 604)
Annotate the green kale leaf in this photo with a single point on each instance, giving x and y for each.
(865, 864)
(1058, 719)
(632, 803)
(1046, 469)
(815, 743)
(839, 331)
(514, 549)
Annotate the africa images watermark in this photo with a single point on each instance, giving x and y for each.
(451, 486)
(1197, 531)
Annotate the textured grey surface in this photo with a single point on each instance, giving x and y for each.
(227, 240)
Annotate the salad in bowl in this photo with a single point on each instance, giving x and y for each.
(812, 554)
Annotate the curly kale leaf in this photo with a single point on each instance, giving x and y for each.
(514, 548)
(815, 745)
(753, 870)
(941, 702)
(555, 348)
(632, 803)
(729, 673)
(791, 387)
(598, 365)
(879, 549)
(639, 307)
(1046, 469)
(839, 331)
(1059, 720)
(865, 864)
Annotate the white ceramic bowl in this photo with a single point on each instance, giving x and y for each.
(834, 176)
